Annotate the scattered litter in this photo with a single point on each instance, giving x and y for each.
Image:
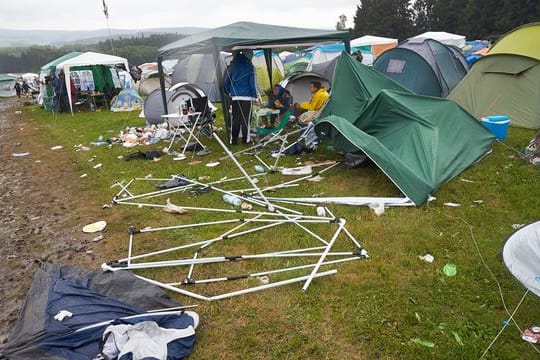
(450, 270)
(35, 218)
(427, 258)
(451, 204)
(91, 159)
(203, 152)
(465, 180)
(531, 335)
(97, 238)
(195, 162)
(37, 161)
(57, 147)
(180, 157)
(21, 154)
(94, 227)
(83, 175)
(423, 342)
(97, 166)
(18, 112)
(259, 169)
(378, 209)
(246, 206)
(213, 164)
(120, 157)
(149, 176)
(62, 314)
(106, 206)
(89, 252)
(10, 257)
(317, 178)
(84, 148)
(174, 209)
(204, 178)
(233, 200)
(517, 226)
(321, 211)
(302, 170)
(478, 202)
(156, 159)
(264, 279)
(255, 180)
(417, 316)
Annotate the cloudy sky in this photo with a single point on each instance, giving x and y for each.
(139, 14)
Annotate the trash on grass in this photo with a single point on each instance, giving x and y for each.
(83, 175)
(517, 226)
(97, 166)
(174, 209)
(450, 269)
(57, 147)
(213, 164)
(531, 335)
(427, 258)
(94, 227)
(451, 204)
(21, 154)
(97, 238)
(378, 209)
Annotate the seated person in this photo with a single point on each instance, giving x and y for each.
(309, 110)
(280, 99)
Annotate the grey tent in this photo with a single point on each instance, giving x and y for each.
(246, 35)
(298, 85)
(424, 66)
(326, 69)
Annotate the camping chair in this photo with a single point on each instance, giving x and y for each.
(195, 124)
(284, 120)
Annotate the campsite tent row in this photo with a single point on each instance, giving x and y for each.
(7, 83)
(98, 70)
(507, 80)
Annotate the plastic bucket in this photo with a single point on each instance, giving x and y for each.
(498, 125)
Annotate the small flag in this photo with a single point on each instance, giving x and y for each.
(105, 10)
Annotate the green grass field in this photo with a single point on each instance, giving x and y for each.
(390, 306)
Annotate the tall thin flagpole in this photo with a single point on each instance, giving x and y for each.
(106, 13)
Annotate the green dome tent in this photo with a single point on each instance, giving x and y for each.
(424, 66)
(507, 80)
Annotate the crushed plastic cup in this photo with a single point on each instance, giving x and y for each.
(427, 258)
(378, 209)
(450, 270)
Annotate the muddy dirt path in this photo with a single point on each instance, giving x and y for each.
(39, 212)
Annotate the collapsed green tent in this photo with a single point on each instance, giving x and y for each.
(419, 142)
(507, 80)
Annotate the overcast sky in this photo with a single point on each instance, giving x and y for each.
(144, 14)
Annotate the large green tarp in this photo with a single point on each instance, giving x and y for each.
(419, 142)
(248, 34)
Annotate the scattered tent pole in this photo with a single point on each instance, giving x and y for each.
(268, 58)
(222, 95)
(162, 83)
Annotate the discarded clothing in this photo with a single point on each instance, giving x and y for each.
(177, 180)
(151, 155)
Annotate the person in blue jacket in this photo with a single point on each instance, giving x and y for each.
(240, 85)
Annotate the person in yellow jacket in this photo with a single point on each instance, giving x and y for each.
(309, 110)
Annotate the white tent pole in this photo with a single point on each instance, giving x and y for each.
(323, 256)
(269, 206)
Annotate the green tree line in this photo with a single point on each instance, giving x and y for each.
(137, 49)
(476, 19)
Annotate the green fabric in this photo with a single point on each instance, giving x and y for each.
(49, 68)
(246, 34)
(282, 123)
(416, 74)
(296, 65)
(523, 40)
(101, 74)
(419, 142)
(502, 85)
(355, 85)
(5, 77)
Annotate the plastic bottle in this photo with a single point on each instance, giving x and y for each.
(233, 200)
(259, 169)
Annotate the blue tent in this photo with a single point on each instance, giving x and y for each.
(95, 301)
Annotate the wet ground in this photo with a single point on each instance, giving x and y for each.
(38, 216)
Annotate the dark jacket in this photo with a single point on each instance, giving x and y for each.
(284, 98)
(240, 81)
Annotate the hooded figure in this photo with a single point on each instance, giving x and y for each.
(240, 85)
(278, 98)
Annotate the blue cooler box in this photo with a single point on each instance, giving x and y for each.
(498, 125)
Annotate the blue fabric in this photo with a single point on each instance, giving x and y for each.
(89, 307)
(240, 81)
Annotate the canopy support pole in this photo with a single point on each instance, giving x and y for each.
(268, 59)
(222, 95)
(162, 83)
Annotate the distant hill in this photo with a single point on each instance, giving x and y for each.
(21, 38)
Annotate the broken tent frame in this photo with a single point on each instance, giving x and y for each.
(245, 223)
